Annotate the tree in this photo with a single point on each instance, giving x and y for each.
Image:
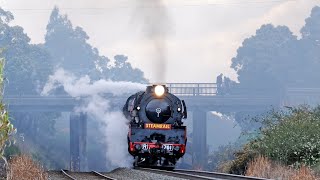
(26, 71)
(71, 51)
(27, 66)
(275, 58)
(267, 59)
(310, 49)
(123, 71)
(68, 46)
(311, 29)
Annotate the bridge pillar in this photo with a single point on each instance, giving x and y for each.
(78, 142)
(199, 140)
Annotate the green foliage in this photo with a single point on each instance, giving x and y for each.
(292, 138)
(6, 128)
(243, 157)
(221, 155)
(274, 58)
(11, 151)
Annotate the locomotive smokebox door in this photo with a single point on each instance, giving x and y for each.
(158, 110)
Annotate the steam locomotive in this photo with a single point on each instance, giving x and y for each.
(156, 137)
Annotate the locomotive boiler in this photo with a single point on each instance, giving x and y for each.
(156, 137)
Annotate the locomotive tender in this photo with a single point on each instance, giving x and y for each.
(156, 137)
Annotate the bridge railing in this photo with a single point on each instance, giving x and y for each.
(193, 89)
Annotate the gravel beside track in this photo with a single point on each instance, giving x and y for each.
(85, 176)
(118, 174)
(217, 175)
(129, 174)
(177, 174)
(147, 174)
(57, 175)
(198, 175)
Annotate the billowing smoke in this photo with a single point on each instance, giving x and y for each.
(114, 125)
(155, 21)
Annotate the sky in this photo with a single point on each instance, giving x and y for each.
(184, 40)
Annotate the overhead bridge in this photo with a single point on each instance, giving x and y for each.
(200, 99)
(196, 95)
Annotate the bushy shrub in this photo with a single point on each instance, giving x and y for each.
(292, 138)
(24, 168)
(243, 157)
(12, 150)
(223, 154)
(229, 159)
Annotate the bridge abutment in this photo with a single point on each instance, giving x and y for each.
(78, 142)
(199, 139)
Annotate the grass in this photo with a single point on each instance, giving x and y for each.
(265, 168)
(24, 168)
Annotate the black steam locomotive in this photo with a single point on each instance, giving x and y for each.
(156, 137)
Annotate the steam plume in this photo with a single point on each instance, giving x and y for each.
(114, 127)
(156, 25)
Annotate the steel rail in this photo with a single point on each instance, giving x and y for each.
(217, 175)
(66, 174)
(102, 175)
(177, 174)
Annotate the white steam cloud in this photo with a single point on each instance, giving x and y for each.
(113, 124)
(83, 87)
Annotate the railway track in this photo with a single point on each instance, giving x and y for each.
(199, 175)
(85, 175)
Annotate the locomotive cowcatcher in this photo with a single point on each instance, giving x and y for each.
(156, 137)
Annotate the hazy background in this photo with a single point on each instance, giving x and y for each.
(200, 37)
(94, 45)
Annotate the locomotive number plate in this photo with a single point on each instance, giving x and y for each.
(167, 147)
(157, 126)
(145, 146)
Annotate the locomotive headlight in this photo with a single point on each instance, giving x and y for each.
(179, 109)
(138, 108)
(159, 90)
